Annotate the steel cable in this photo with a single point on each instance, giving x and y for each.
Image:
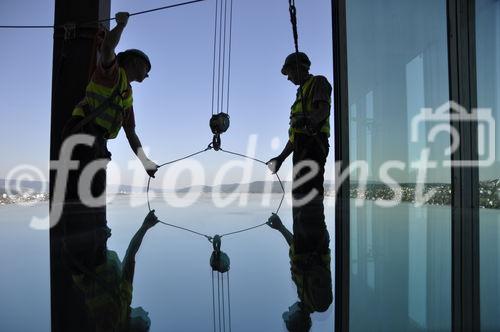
(213, 298)
(223, 305)
(96, 21)
(225, 234)
(229, 300)
(215, 50)
(223, 57)
(229, 56)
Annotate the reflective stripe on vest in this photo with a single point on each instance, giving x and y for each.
(110, 119)
(307, 92)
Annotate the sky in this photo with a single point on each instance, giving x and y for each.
(173, 106)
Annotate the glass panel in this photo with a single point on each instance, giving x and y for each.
(400, 207)
(488, 84)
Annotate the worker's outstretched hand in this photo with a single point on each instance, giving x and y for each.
(274, 222)
(274, 164)
(150, 220)
(150, 167)
(122, 18)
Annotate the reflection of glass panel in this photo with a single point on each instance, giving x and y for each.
(415, 101)
(369, 126)
(353, 130)
(488, 87)
(354, 245)
(400, 255)
(417, 266)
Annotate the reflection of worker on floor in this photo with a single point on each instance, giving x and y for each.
(312, 276)
(107, 287)
(107, 106)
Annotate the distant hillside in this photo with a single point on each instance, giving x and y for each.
(115, 188)
(253, 187)
(257, 187)
(489, 190)
(34, 186)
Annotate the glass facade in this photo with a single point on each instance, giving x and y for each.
(400, 212)
(488, 87)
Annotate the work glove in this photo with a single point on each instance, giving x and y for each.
(274, 222)
(150, 167)
(122, 18)
(274, 164)
(300, 121)
(297, 318)
(150, 220)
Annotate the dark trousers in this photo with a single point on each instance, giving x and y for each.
(312, 149)
(309, 227)
(86, 155)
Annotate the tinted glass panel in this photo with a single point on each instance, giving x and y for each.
(400, 208)
(488, 84)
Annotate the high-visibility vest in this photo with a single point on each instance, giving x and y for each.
(312, 276)
(307, 92)
(111, 119)
(107, 295)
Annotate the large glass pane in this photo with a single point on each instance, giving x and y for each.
(400, 209)
(488, 84)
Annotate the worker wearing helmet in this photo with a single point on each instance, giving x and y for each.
(308, 140)
(107, 105)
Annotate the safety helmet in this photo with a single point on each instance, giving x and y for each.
(295, 58)
(134, 53)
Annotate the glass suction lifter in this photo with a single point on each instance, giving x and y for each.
(219, 261)
(219, 123)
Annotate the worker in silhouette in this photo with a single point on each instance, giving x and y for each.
(309, 123)
(308, 141)
(312, 276)
(104, 282)
(107, 105)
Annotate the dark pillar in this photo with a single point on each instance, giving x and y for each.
(342, 207)
(73, 54)
(465, 185)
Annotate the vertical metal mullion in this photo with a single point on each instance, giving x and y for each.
(474, 205)
(465, 180)
(341, 108)
(71, 61)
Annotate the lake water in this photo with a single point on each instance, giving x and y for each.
(172, 277)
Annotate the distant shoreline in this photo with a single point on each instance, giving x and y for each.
(489, 193)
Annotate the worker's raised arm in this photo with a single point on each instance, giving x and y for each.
(112, 39)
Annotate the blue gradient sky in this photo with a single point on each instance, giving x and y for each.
(173, 106)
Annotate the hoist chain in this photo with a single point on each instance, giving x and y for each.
(293, 20)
